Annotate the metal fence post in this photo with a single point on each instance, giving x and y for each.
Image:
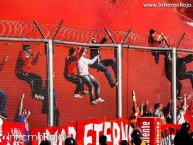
(119, 78)
(50, 82)
(174, 84)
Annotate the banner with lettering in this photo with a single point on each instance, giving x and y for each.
(56, 135)
(89, 131)
(85, 133)
(150, 127)
(12, 133)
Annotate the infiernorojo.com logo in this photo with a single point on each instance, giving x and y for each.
(17, 138)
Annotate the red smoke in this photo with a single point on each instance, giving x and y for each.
(92, 15)
(97, 14)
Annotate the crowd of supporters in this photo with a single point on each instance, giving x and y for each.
(184, 111)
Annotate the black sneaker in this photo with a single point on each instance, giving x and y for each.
(114, 85)
(180, 99)
(3, 116)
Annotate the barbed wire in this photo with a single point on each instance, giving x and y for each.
(20, 29)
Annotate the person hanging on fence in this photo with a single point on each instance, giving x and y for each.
(155, 41)
(22, 116)
(3, 96)
(182, 73)
(168, 74)
(70, 72)
(88, 79)
(45, 106)
(23, 71)
(101, 65)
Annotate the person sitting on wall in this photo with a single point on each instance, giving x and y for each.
(88, 79)
(70, 72)
(154, 41)
(3, 96)
(23, 71)
(102, 65)
(22, 116)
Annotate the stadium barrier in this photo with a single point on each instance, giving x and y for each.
(88, 132)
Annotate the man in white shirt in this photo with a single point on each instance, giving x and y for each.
(88, 79)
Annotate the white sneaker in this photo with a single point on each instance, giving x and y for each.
(93, 103)
(77, 96)
(41, 97)
(36, 96)
(100, 100)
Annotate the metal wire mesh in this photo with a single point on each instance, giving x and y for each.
(20, 29)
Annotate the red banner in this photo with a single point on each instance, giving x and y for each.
(150, 128)
(56, 135)
(115, 130)
(12, 133)
(88, 132)
(85, 133)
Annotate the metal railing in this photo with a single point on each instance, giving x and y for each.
(57, 34)
(20, 29)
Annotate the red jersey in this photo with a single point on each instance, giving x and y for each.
(24, 62)
(71, 64)
(153, 42)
